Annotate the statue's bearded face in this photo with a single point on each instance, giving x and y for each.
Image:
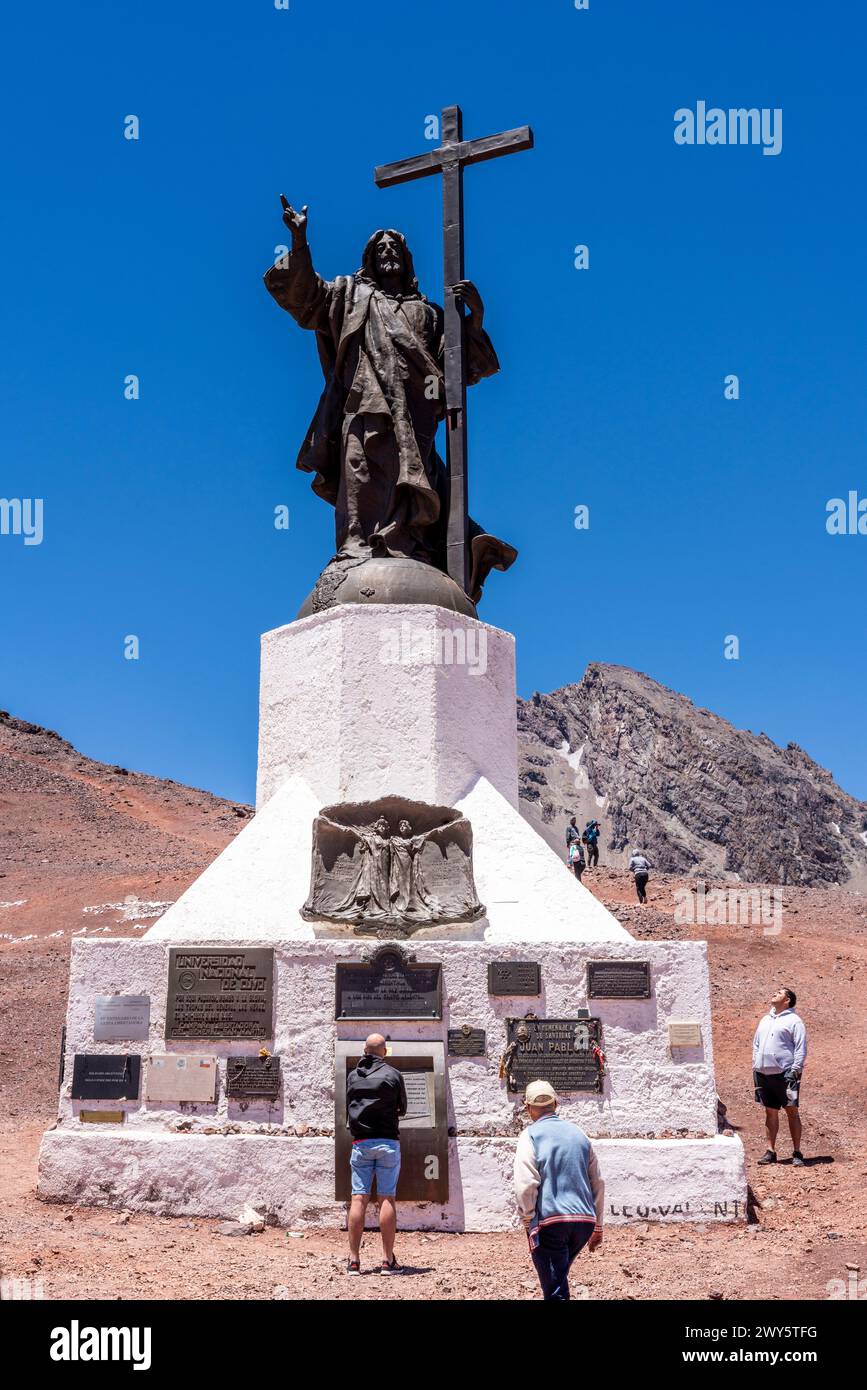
(389, 256)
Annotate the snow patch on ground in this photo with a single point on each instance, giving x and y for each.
(835, 827)
(131, 908)
(19, 902)
(863, 834)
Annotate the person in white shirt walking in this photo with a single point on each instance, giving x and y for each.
(779, 1053)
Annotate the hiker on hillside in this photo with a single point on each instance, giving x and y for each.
(576, 859)
(639, 867)
(572, 832)
(779, 1052)
(591, 840)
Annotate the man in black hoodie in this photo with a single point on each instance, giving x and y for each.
(375, 1100)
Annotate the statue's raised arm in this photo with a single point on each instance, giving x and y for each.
(292, 280)
(295, 221)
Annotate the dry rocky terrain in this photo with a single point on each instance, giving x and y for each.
(87, 848)
(697, 794)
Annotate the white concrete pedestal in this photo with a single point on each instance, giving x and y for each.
(359, 703)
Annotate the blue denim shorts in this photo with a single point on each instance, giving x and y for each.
(375, 1157)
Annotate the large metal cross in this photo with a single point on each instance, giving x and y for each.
(449, 159)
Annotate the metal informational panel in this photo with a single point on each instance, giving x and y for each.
(514, 977)
(388, 986)
(253, 1078)
(424, 1140)
(220, 993)
(618, 979)
(105, 1076)
(121, 1017)
(466, 1041)
(557, 1050)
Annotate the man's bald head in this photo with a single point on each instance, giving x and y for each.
(374, 1045)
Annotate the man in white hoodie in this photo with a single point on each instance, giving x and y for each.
(779, 1052)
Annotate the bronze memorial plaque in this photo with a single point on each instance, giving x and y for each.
(220, 993)
(559, 1050)
(253, 1078)
(618, 979)
(514, 977)
(466, 1041)
(392, 866)
(388, 986)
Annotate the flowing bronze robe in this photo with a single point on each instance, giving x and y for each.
(371, 443)
(407, 888)
(369, 893)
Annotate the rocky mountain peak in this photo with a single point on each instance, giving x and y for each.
(697, 794)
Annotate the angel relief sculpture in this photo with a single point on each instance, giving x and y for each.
(395, 864)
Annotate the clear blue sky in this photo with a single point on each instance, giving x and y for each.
(707, 515)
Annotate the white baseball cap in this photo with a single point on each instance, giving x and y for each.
(539, 1093)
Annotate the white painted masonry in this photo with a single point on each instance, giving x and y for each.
(292, 1180)
(339, 724)
(355, 726)
(256, 887)
(649, 1090)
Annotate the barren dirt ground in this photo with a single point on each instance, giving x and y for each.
(77, 839)
(809, 1223)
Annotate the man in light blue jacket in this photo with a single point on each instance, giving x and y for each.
(779, 1052)
(559, 1190)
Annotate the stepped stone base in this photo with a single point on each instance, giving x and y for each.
(292, 1179)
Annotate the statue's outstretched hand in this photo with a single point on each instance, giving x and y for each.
(295, 221)
(466, 293)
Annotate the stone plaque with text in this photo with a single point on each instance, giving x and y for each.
(684, 1034)
(220, 993)
(121, 1017)
(558, 1050)
(182, 1076)
(466, 1042)
(514, 977)
(618, 979)
(105, 1076)
(253, 1078)
(388, 986)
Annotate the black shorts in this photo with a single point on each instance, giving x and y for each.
(771, 1090)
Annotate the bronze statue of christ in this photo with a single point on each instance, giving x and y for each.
(371, 444)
